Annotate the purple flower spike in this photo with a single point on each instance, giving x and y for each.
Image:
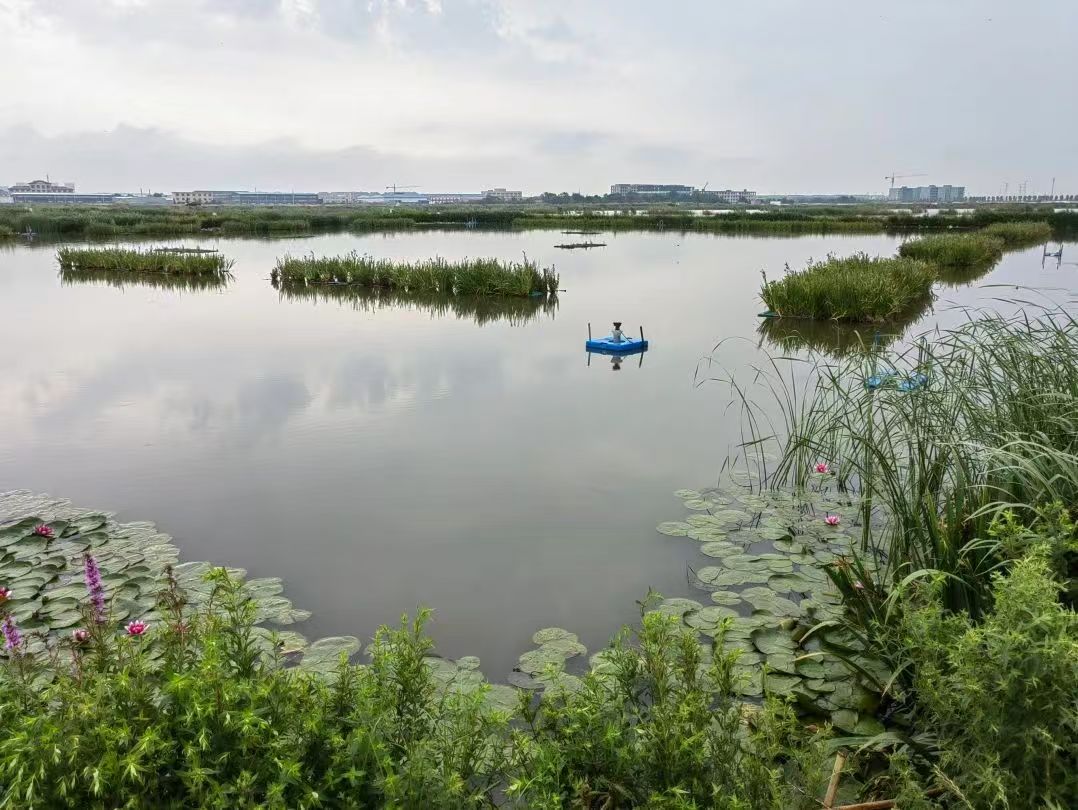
(95, 588)
(12, 639)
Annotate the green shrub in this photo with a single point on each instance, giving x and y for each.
(854, 288)
(655, 725)
(955, 250)
(1000, 695)
(1020, 234)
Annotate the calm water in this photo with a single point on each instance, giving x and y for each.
(382, 458)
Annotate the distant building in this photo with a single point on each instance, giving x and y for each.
(447, 199)
(275, 198)
(202, 197)
(61, 198)
(5, 196)
(43, 187)
(503, 194)
(141, 199)
(731, 196)
(650, 188)
(927, 194)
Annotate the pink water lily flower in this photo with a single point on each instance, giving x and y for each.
(80, 636)
(858, 585)
(136, 628)
(832, 520)
(823, 469)
(44, 531)
(5, 594)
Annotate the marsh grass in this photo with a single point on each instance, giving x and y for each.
(856, 288)
(514, 310)
(965, 250)
(116, 260)
(467, 277)
(1016, 235)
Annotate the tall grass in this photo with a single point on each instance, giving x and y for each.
(855, 288)
(994, 430)
(115, 260)
(469, 277)
(955, 250)
(1019, 234)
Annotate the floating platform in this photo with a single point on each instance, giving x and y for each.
(608, 346)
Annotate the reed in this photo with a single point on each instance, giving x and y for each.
(467, 277)
(1020, 234)
(955, 250)
(116, 260)
(856, 288)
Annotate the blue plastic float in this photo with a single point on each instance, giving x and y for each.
(607, 345)
(912, 382)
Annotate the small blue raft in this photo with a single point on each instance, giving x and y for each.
(607, 346)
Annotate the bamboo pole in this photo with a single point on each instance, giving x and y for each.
(832, 786)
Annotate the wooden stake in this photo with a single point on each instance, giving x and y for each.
(641, 334)
(589, 330)
(832, 786)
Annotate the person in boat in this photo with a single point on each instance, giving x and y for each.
(617, 336)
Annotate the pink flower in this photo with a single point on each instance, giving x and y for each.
(823, 469)
(44, 531)
(858, 585)
(136, 628)
(831, 520)
(5, 594)
(80, 636)
(94, 587)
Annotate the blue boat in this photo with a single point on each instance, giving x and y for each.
(607, 345)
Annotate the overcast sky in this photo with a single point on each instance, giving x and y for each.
(458, 95)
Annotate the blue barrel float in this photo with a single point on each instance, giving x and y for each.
(616, 343)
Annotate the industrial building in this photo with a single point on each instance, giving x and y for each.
(205, 197)
(504, 195)
(650, 188)
(927, 194)
(62, 198)
(731, 196)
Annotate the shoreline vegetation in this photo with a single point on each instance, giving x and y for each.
(111, 222)
(467, 277)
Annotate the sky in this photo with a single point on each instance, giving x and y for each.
(778, 96)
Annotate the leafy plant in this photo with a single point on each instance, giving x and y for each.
(1019, 234)
(955, 250)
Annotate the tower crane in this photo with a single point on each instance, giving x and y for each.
(892, 176)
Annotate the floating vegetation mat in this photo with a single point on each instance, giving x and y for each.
(769, 587)
(515, 310)
(142, 261)
(43, 541)
(434, 276)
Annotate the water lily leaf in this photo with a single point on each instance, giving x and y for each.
(686, 493)
(845, 719)
(781, 684)
(724, 578)
(323, 655)
(535, 661)
(502, 698)
(719, 549)
(709, 618)
(468, 663)
(673, 528)
(677, 606)
(553, 634)
(772, 640)
(727, 598)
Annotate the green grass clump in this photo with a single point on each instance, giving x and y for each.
(1020, 234)
(955, 250)
(856, 288)
(115, 260)
(468, 277)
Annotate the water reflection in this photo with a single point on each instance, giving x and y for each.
(832, 338)
(163, 281)
(482, 309)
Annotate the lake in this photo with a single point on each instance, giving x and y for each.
(379, 458)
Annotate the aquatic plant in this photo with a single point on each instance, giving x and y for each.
(136, 628)
(468, 277)
(965, 250)
(99, 260)
(853, 288)
(1019, 234)
(12, 637)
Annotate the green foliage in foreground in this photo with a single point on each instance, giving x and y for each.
(853, 288)
(200, 712)
(430, 277)
(1000, 695)
(115, 260)
(955, 250)
(1019, 234)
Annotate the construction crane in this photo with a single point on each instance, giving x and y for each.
(395, 187)
(892, 176)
